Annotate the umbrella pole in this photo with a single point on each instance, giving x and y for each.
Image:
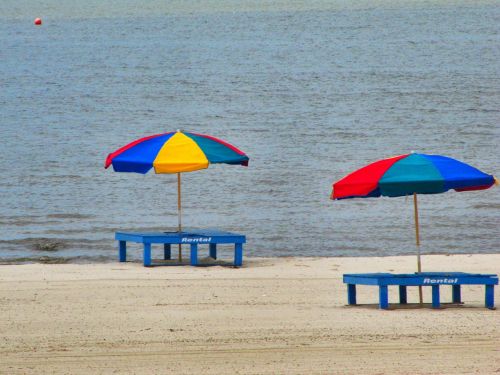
(179, 211)
(417, 237)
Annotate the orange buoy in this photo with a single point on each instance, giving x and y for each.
(38, 21)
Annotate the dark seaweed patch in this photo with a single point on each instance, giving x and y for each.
(47, 245)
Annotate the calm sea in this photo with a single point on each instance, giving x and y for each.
(310, 90)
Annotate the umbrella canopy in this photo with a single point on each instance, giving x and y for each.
(411, 174)
(174, 152)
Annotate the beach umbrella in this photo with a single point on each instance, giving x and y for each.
(411, 174)
(174, 152)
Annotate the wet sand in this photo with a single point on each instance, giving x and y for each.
(273, 316)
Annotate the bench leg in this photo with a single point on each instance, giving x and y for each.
(122, 251)
(351, 294)
(456, 294)
(167, 254)
(435, 296)
(194, 254)
(489, 297)
(238, 254)
(402, 295)
(147, 254)
(213, 250)
(383, 296)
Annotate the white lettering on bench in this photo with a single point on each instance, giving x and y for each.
(440, 281)
(196, 240)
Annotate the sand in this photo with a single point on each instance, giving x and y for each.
(273, 316)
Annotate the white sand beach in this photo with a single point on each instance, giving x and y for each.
(273, 316)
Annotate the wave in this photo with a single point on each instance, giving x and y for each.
(52, 244)
(69, 216)
(57, 260)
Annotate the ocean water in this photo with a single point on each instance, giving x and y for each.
(310, 90)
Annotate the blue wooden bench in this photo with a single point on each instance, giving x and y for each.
(432, 279)
(191, 237)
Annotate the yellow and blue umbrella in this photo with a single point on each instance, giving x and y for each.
(174, 152)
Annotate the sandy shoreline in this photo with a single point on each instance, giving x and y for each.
(274, 315)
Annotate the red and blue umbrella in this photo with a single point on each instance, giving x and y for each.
(411, 174)
(174, 152)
